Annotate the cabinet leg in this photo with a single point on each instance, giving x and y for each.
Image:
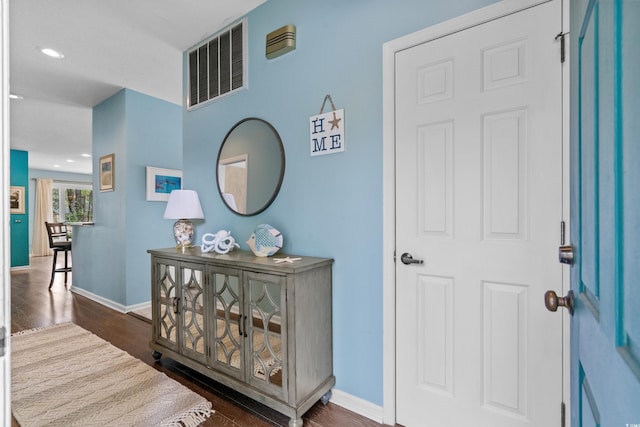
(326, 397)
(295, 422)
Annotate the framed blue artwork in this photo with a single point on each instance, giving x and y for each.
(161, 182)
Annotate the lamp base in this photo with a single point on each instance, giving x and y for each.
(183, 233)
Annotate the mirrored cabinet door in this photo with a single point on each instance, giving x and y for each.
(266, 331)
(165, 318)
(192, 307)
(228, 335)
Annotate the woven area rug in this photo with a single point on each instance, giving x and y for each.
(65, 376)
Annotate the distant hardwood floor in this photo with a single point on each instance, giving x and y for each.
(34, 306)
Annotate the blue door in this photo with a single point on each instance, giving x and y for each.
(605, 212)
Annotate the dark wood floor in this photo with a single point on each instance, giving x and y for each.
(34, 306)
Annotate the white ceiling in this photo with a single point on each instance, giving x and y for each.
(108, 45)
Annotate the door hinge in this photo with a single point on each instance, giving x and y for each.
(562, 232)
(561, 37)
(562, 414)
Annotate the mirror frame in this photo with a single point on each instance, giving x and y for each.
(282, 169)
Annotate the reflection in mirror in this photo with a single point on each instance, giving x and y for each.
(232, 179)
(250, 166)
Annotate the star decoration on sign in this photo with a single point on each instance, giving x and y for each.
(287, 259)
(335, 121)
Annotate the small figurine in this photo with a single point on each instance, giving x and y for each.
(222, 242)
(265, 240)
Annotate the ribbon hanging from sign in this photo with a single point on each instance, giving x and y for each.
(333, 107)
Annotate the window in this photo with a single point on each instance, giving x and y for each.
(72, 202)
(217, 66)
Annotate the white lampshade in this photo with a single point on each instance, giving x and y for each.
(183, 204)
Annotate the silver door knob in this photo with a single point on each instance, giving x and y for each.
(407, 259)
(565, 254)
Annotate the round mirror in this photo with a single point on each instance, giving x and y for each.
(250, 166)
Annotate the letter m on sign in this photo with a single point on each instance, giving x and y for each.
(318, 145)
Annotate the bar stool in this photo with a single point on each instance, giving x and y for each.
(59, 242)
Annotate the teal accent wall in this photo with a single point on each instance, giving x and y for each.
(19, 176)
(110, 258)
(329, 206)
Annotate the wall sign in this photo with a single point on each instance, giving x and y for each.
(326, 131)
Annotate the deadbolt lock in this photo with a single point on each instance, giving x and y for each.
(565, 254)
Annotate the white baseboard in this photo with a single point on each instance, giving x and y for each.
(138, 307)
(357, 405)
(100, 300)
(108, 303)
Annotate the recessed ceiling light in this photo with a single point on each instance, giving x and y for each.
(85, 155)
(56, 166)
(14, 96)
(70, 160)
(51, 52)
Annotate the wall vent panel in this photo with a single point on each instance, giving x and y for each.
(217, 66)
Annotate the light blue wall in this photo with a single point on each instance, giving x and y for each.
(99, 254)
(56, 176)
(110, 258)
(154, 138)
(331, 205)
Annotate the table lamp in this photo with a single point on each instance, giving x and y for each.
(183, 205)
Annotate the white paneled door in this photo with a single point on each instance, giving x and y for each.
(479, 201)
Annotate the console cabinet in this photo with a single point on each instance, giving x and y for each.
(260, 327)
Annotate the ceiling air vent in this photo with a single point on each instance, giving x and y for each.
(217, 66)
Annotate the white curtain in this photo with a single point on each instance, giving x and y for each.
(43, 212)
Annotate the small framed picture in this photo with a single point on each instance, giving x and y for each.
(16, 202)
(107, 173)
(161, 182)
